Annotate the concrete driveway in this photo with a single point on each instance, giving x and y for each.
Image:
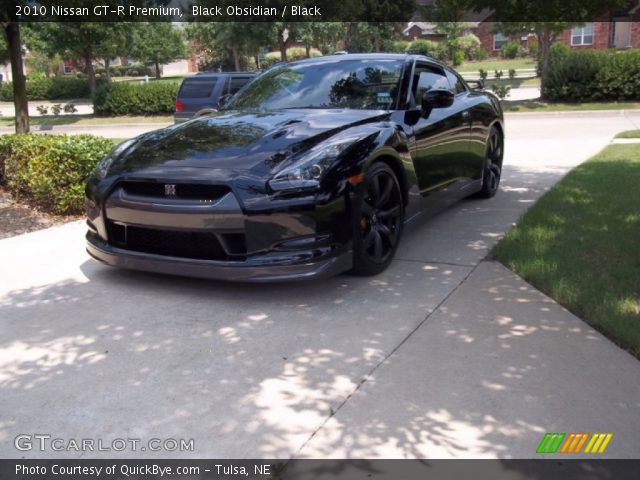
(444, 355)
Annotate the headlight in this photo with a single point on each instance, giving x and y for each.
(308, 170)
(103, 167)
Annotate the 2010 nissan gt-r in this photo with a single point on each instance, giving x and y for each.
(311, 170)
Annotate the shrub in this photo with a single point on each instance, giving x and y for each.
(470, 46)
(42, 109)
(293, 53)
(559, 48)
(429, 48)
(483, 74)
(52, 88)
(127, 98)
(50, 170)
(298, 53)
(511, 49)
(458, 57)
(498, 74)
(399, 46)
(592, 76)
(512, 73)
(482, 54)
(502, 91)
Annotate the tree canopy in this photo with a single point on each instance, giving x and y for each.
(157, 43)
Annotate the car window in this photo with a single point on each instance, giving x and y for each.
(333, 82)
(197, 87)
(428, 78)
(457, 85)
(236, 83)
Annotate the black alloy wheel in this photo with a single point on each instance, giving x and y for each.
(493, 165)
(378, 220)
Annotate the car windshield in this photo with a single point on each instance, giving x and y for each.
(335, 83)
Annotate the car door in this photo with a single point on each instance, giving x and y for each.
(441, 138)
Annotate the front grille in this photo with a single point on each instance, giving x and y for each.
(174, 243)
(186, 191)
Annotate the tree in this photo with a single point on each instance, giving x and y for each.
(13, 50)
(322, 35)
(158, 43)
(371, 36)
(83, 40)
(546, 18)
(230, 39)
(118, 44)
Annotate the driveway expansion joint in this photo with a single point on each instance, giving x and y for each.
(334, 412)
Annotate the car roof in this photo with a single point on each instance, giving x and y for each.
(369, 56)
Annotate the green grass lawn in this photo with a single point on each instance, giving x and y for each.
(580, 244)
(538, 106)
(497, 63)
(629, 134)
(87, 120)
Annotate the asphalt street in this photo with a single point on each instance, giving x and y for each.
(445, 355)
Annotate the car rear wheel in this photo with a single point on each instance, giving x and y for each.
(378, 219)
(493, 164)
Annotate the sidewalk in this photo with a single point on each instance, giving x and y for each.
(492, 369)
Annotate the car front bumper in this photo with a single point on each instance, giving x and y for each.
(264, 268)
(217, 239)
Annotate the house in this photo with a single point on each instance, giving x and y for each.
(607, 31)
(617, 29)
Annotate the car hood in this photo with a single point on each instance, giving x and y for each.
(237, 141)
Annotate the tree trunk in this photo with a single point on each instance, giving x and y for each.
(282, 44)
(545, 39)
(91, 75)
(376, 43)
(107, 64)
(12, 31)
(307, 49)
(236, 58)
(157, 69)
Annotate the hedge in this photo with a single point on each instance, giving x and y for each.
(127, 98)
(51, 88)
(592, 76)
(49, 171)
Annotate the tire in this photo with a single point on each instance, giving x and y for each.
(378, 217)
(493, 164)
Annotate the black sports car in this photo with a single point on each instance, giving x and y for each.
(312, 169)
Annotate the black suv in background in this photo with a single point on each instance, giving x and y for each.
(201, 93)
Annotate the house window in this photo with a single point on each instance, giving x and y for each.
(499, 40)
(582, 35)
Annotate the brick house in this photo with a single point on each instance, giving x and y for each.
(607, 31)
(619, 29)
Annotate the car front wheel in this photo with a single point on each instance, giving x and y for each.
(493, 164)
(378, 219)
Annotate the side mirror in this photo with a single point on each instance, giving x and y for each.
(436, 99)
(224, 99)
(476, 84)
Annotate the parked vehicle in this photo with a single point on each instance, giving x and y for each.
(203, 93)
(313, 169)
